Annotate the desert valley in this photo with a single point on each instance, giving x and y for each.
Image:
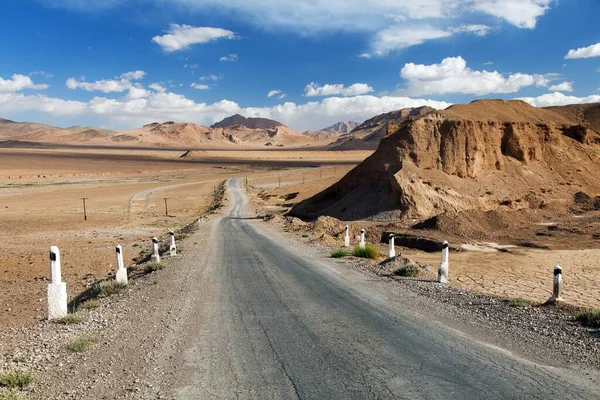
(511, 187)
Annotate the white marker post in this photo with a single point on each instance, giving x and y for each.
(121, 276)
(173, 247)
(557, 287)
(443, 268)
(392, 252)
(362, 242)
(347, 237)
(155, 255)
(57, 290)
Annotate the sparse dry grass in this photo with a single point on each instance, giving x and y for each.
(71, 319)
(367, 252)
(589, 316)
(339, 253)
(153, 266)
(89, 305)
(81, 344)
(108, 288)
(409, 270)
(16, 378)
(518, 302)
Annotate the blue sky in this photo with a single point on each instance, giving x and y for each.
(308, 63)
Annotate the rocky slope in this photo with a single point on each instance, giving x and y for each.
(487, 155)
(368, 135)
(332, 132)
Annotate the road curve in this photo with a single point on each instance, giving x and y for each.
(282, 325)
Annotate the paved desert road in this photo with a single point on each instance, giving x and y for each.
(281, 324)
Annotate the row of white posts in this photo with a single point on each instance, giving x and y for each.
(443, 267)
(57, 289)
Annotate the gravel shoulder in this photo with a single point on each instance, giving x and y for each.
(547, 335)
(138, 336)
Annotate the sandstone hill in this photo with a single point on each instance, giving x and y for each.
(468, 160)
(33, 132)
(332, 132)
(368, 135)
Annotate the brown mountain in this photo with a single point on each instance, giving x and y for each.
(332, 132)
(487, 155)
(251, 123)
(368, 135)
(168, 134)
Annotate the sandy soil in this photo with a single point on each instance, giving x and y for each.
(40, 206)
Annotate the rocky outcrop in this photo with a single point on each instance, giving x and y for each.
(480, 156)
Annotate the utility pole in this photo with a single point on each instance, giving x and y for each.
(279, 181)
(166, 206)
(84, 209)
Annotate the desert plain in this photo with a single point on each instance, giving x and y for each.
(41, 191)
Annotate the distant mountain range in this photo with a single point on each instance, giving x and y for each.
(251, 123)
(234, 130)
(332, 132)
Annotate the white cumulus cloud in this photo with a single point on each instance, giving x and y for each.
(180, 37)
(157, 86)
(199, 86)
(19, 82)
(400, 37)
(559, 99)
(453, 76)
(274, 92)
(314, 90)
(520, 13)
(120, 84)
(229, 58)
(584, 52)
(209, 78)
(562, 87)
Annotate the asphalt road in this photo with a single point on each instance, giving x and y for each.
(280, 324)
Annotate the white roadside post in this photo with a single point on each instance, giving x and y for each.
(362, 242)
(173, 247)
(57, 290)
(347, 237)
(392, 253)
(155, 255)
(443, 268)
(121, 276)
(557, 287)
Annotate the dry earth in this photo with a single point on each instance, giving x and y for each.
(40, 206)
